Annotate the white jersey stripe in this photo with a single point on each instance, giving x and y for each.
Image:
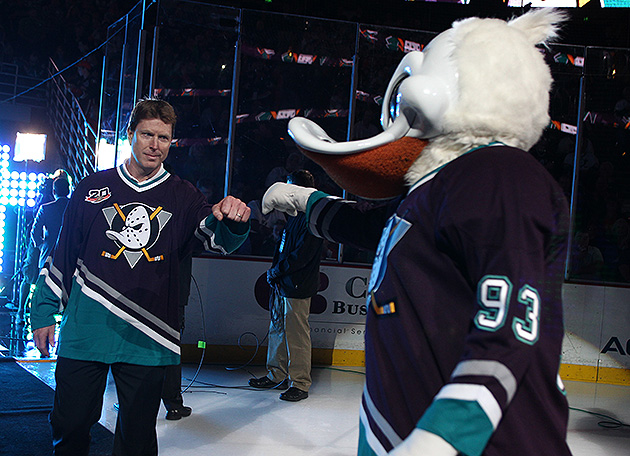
(380, 421)
(476, 393)
(488, 368)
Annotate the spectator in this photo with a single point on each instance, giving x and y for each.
(294, 278)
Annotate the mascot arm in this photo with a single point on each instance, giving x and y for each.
(425, 443)
(330, 217)
(348, 222)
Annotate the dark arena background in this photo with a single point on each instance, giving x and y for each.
(236, 73)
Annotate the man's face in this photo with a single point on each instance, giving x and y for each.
(150, 143)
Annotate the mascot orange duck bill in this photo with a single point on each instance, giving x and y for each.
(466, 89)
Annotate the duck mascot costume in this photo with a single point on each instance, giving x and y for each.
(464, 328)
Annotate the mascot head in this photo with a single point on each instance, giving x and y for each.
(481, 81)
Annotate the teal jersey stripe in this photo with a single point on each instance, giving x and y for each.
(43, 314)
(364, 447)
(226, 236)
(314, 198)
(463, 424)
(86, 320)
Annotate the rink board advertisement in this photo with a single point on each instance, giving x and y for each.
(232, 302)
(229, 302)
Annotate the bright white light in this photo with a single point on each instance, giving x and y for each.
(4, 201)
(29, 146)
(104, 155)
(22, 193)
(32, 177)
(13, 201)
(6, 148)
(15, 175)
(21, 201)
(30, 202)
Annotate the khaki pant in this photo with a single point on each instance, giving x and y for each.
(289, 350)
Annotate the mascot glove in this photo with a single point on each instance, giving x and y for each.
(287, 198)
(424, 443)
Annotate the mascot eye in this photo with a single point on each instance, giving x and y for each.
(394, 101)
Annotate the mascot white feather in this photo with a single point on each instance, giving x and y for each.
(464, 331)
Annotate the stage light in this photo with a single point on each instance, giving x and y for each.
(6, 148)
(30, 202)
(29, 146)
(105, 153)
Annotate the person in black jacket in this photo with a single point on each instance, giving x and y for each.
(47, 223)
(294, 279)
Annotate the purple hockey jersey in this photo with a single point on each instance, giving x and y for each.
(464, 332)
(117, 264)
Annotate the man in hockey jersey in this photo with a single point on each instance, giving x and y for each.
(464, 328)
(116, 274)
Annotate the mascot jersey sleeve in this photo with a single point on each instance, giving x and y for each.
(115, 272)
(464, 330)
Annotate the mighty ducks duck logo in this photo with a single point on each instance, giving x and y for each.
(135, 228)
